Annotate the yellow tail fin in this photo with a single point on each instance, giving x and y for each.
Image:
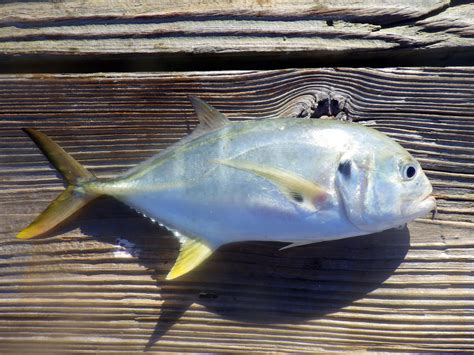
(69, 201)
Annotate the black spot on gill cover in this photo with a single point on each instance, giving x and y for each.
(345, 168)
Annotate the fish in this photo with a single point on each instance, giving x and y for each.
(292, 180)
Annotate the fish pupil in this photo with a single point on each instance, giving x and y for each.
(345, 168)
(411, 171)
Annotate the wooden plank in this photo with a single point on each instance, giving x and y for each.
(337, 28)
(80, 9)
(98, 284)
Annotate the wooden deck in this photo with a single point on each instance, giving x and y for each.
(97, 284)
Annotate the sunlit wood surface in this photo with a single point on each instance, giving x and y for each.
(97, 284)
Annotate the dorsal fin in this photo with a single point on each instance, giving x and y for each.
(209, 118)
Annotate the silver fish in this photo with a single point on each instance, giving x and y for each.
(292, 180)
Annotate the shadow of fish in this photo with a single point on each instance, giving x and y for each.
(291, 180)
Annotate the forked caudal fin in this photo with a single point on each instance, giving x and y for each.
(69, 201)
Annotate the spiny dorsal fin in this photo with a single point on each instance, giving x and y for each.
(192, 253)
(209, 118)
(304, 193)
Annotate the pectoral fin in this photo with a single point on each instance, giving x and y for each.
(296, 244)
(302, 192)
(192, 253)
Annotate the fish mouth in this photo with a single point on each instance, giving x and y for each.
(422, 207)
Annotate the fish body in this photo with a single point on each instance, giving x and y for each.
(291, 180)
(188, 190)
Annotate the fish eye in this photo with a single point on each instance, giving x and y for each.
(408, 171)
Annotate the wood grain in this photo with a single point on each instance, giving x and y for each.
(97, 284)
(337, 28)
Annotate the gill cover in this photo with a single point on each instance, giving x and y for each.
(354, 179)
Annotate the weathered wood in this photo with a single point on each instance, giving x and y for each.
(336, 28)
(97, 284)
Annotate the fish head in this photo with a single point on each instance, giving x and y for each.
(381, 186)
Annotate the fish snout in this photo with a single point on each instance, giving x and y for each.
(422, 207)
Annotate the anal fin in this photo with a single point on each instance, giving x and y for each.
(192, 253)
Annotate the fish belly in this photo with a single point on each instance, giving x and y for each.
(224, 213)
